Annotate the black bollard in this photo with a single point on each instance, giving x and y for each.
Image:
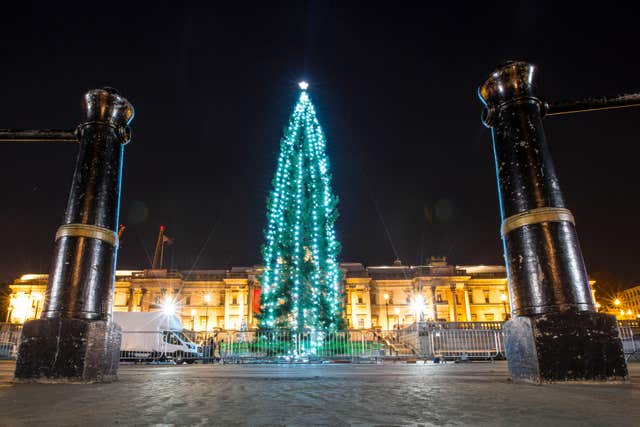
(555, 333)
(74, 340)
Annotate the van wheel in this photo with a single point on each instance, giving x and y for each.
(178, 357)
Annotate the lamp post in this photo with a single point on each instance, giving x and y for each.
(207, 299)
(397, 311)
(503, 297)
(386, 302)
(193, 319)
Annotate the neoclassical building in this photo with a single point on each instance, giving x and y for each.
(383, 297)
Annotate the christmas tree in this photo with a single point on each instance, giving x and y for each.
(301, 279)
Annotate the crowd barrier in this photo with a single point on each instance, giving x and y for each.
(9, 338)
(432, 340)
(466, 344)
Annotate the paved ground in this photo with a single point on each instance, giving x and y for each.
(391, 394)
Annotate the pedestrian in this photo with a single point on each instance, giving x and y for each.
(212, 349)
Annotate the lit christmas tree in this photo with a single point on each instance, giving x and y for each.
(301, 280)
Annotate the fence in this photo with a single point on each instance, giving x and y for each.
(288, 346)
(449, 341)
(9, 338)
(630, 336)
(466, 344)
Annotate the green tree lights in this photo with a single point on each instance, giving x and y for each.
(301, 280)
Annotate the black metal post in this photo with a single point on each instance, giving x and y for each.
(75, 339)
(554, 333)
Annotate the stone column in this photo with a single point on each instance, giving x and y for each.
(131, 299)
(453, 304)
(434, 305)
(555, 333)
(142, 299)
(75, 340)
(227, 298)
(250, 304)
(467, 305)
(367, 300)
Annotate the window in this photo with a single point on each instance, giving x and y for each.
(204, 323)
(440, 298)
(360, 299)
(485, 294)
(169, 338)
(120, 298)
(187, 300)
(221, 299)
(489, 316)
(474, 317)
(234, 299)
(361, 323)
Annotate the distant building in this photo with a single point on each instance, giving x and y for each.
(630, 307)
(384, 297)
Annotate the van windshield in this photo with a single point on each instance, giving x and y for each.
(182, 337)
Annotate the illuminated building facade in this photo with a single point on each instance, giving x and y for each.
(630, 307)
(384, 297)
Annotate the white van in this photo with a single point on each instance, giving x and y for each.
(154, 336)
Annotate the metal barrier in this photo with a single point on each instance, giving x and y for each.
(466, 344)
(288, 346)
(447, 341)
(630, 336)
(9, 339)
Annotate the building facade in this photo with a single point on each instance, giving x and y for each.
(383, 297)
(630, 307)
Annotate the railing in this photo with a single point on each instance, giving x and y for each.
(428, 340)
(466, 344)
(288, 346)
(630, 336)
(9, 339)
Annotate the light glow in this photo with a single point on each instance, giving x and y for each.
(418, 306)
(169, 307)
(303, 85)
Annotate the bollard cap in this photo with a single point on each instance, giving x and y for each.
(108, 106)
(513, 79)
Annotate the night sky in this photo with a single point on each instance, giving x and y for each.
(395, 91)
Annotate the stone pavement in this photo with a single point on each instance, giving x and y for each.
(475, 394)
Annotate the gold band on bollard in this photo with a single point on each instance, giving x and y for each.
(87, 230)
(536, 216)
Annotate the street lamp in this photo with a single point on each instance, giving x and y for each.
(503, 297)
(207, 299)
(386, 301)
(193, 319)
(617, 302)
